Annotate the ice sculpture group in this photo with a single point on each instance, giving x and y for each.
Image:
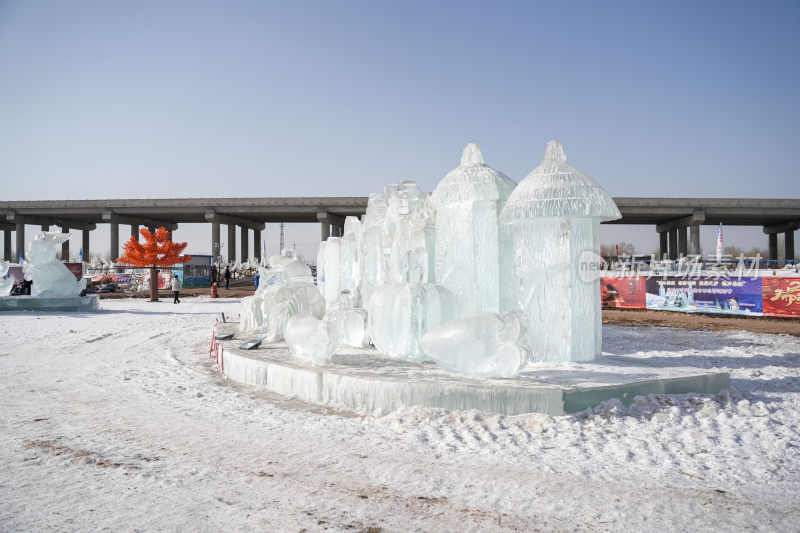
(481, 276)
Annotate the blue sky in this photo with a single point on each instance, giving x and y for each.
(172, 99)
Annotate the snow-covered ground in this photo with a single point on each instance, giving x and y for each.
(119, 421)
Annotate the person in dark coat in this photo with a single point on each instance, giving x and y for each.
(227, 277)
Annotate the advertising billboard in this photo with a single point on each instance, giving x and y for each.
(781, 296)
(705, 295)
(623, 292)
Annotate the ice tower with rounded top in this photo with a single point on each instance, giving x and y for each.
(468, 202)
(551, 219)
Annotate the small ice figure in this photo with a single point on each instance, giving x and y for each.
(310, 337)
(5, 284)
(485, 345)
(350, 326)
(401, 313)
(49, 275)
(468, 202)
(553, 218)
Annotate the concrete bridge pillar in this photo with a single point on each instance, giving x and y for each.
(65, 245)
(85, 248)
(663, 248)
(135, 231)
(773, 246)
(214, 241)
(244, 243)
(673, 243)
(20, 241)
(231, 243)
(45, 227)
(257, 248)
(330, 224)
(7, 245)
(789, 245)
(114, 242)
(694, 240)
(683, 249)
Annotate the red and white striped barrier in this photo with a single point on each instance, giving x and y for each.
(218, 350)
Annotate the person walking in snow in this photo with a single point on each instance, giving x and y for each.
(227, 277)
(176, 289)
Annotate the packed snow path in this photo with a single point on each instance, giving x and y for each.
(119, 421)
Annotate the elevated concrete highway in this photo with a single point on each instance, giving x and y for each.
(677, 220)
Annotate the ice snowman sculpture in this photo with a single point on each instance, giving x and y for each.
(49, 275)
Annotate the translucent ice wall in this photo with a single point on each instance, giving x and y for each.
(468, 201)
(551, 218)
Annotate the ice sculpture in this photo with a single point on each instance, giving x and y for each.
(5, 284)
(553, 216)
(399, 314)
(328, 270)
(468, 201)
(286, 302)
(485, 345)
(285, 289)
(308, 336)
(350, 260)
(49, 275)
(251, 317)
(349, 326)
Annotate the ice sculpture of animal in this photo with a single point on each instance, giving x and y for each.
(49, 275)
(485, 345)
(552, 218)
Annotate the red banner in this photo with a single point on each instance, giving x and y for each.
(624, 292)
(781, 296)
(76, 269)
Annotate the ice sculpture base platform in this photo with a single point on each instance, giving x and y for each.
(70, 304)
(363, 380)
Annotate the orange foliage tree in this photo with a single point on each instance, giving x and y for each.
(158, 250)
